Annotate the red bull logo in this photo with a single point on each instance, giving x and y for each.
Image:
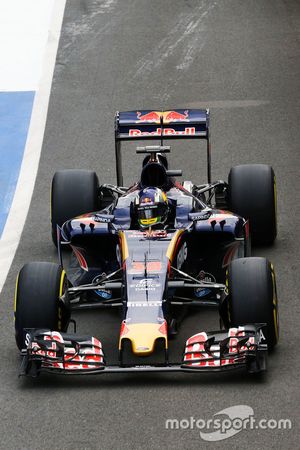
(151, 117)
(175, 116)
(166, 116)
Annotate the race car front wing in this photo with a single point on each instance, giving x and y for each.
(51, 351)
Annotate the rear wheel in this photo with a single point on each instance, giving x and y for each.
(252, 195)
(37, 305)
(73, 192)
(252, 296)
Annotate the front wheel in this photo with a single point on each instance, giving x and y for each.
(252, 296)
(37, 299)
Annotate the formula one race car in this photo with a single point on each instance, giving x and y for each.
(151, 249)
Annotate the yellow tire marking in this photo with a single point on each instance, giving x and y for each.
(16, 293)
(61, 291)
(61, 285)
(227, 293)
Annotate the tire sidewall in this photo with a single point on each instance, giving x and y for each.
(253, 297)
(37, 305)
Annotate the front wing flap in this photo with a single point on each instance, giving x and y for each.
(242, 346)
(62, 353)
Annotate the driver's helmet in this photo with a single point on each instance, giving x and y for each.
(151, 207)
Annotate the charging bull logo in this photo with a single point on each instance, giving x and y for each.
(175, 116)
(151, 117)
(164, 116)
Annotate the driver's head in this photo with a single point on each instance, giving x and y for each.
(152, 207)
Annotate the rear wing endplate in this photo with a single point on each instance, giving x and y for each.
(160, 125)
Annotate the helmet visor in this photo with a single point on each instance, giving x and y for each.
(149, 215)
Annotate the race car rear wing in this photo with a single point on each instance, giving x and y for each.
(160, 125)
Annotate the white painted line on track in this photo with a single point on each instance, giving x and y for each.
(19, 209)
